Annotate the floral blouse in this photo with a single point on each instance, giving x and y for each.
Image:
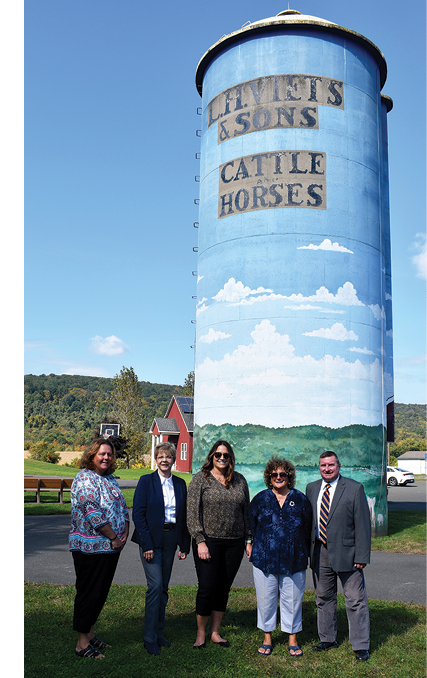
(95, 501)
(281, 534)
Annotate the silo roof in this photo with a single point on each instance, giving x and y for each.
(289, 18)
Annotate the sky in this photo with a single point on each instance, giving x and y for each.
(110, 165)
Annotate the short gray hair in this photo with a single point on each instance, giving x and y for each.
(166, 447)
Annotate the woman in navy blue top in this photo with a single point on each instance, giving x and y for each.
(280, 525)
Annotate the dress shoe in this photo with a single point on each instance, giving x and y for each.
(152, 648)
(199, 647)
(362, 655)
(161, 642)
(324, 646)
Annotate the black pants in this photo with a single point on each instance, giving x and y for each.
(94, 574)
(216, 575)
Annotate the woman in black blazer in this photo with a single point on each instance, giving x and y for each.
(159, 514)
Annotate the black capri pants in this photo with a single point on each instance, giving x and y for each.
(94, 575)
(216, 576)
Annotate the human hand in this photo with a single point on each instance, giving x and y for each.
(248, 549)
(148, 555)
(359, 566)
(181, 555)
(116, 543)
(203, 551)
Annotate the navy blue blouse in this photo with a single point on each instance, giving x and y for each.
(281, 535)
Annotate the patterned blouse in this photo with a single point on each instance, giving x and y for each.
(215, 511)
(95, 501)
(281, 535)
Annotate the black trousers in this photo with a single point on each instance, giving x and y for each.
(94, 575)
(216, 575)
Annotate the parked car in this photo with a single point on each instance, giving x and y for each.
(398, 476)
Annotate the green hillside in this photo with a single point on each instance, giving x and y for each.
(65, 410)
(409, 428)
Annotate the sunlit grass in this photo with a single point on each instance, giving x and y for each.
(397, 639)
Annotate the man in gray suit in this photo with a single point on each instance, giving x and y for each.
(340, 547)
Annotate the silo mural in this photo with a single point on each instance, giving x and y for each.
(292, 344)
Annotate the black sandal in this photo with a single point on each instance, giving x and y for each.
(98, 644)
(89, 652)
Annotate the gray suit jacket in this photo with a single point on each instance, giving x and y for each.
(349, 525)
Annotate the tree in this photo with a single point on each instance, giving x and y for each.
(189, 384)
(127, 404)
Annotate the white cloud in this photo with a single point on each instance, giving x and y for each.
(345, 296)
(361, 350)
(213, 336)
(420, 259)
(201, 309)
(377, 311)
(109, 346)
(271, 377)
(235, 291)
(199, 278)
(199, 303)
(265, 383)
(337, 332)
(326, 245)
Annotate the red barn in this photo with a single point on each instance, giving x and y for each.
(176, 427)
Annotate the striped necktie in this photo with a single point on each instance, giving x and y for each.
(324, 514)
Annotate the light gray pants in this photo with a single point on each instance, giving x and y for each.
(356, 601)
(289, 590)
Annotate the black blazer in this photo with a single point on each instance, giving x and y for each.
(148, 512)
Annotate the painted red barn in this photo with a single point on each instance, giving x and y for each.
(176, 427)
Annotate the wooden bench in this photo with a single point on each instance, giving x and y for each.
(59, 485)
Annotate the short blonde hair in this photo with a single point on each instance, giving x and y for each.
(166, 447)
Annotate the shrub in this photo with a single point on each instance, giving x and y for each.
(42, 451)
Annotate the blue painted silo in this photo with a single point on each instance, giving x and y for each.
(293, 263)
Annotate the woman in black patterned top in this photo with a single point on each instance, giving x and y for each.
(218, 522)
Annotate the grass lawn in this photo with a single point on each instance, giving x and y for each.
(397, 639)
(41, 468)
(397, 629)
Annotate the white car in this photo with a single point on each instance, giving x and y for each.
(398, 476)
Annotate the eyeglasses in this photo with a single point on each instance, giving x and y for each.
(218, 455)
(164, 458)
(282, 474)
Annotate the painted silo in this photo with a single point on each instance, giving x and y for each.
(293, 263)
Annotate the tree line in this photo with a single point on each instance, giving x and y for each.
(409, 429)
(64, 412)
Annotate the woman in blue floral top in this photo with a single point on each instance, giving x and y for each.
(99, 531)
(280, 525)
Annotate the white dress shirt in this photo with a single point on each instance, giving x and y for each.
(169, 499)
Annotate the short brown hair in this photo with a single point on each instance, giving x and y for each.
(87, 459)
(276, 463)
(328, 453)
